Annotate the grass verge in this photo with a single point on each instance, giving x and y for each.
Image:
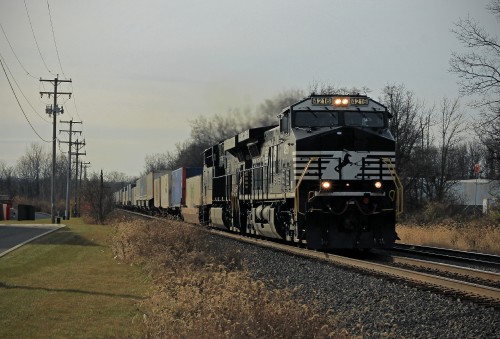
(204, 291)
(467, 236)
(67, 285)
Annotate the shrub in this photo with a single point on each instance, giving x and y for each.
(40, 205)
(478, 234)
(202, 291)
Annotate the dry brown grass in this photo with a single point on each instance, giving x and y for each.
(204, 293)
(474, 235)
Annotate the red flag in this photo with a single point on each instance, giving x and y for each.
(476, 168)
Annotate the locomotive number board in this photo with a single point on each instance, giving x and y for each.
(359, 101)
(326, 101)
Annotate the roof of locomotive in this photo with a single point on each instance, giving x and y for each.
(327, 102)
(248, 135)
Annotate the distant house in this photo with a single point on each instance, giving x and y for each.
(475, 193)
(5, 206)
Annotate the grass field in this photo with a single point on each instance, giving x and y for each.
(67, 285)
(478, 236)
(160, 279)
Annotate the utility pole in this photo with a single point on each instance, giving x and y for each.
(85, 166)
(68, 177)
(54, 110)
(101, 189)
(78, 146)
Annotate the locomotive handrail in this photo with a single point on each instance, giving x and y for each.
(397, 183)
(296, 200)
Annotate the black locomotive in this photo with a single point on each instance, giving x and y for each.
(323, 177)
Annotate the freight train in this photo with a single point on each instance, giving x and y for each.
(324, 176)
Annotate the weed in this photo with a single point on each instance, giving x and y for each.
(474, 235)
(204, 292)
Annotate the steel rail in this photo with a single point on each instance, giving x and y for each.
(468, 289)
(472, 290)
(472, 257)
(464, 271)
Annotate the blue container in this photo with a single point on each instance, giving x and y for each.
(179, 176)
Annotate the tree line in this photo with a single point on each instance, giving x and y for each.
(30, 178)
(29, 181)
(436, 144)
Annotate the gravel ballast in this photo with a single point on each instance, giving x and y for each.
(367, 306)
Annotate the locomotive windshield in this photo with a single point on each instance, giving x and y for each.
(316, 119)
(306, 119)
(370, 119)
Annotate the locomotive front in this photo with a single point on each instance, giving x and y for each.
(346, 190)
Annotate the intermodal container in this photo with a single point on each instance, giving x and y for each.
(179, 176)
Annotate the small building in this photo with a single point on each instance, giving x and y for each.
(477, 193)
(5, 207)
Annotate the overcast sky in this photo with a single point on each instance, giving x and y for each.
(142, 69)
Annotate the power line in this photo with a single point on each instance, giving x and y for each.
(74, 101)
(12, 49)
(54, 36)
(20, 90)
(22, 110)
(36, 42)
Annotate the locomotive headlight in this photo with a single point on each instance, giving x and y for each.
(378, 184)
(326, 185)
(344, 102)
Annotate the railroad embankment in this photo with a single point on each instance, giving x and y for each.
(203, 291)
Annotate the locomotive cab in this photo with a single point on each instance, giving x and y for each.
(345, 178)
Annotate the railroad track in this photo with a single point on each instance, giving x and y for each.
(473, 275)
(478, 292)
(474, 258)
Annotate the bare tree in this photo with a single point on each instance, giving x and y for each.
(421, 160)
(156, 162)
(116, 180)
(8, 181)
(97, 198)
(331, 89)
(29, 170)
(451, 126)
(408, 125)
(463, 157)
(207, 131)
(405, 110)
(479, 75)
(267, 112)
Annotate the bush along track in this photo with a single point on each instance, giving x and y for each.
(203, 289)
(211, 286)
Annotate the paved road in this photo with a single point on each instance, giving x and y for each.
(14, 236)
